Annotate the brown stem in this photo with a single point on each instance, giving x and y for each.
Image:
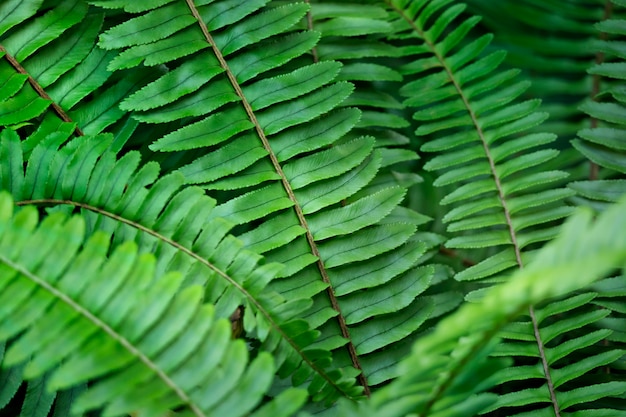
(309, 23)
(39, 89)
(595, 87)
(452, 254)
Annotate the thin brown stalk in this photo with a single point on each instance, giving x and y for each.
(309, 23)
(39, 89)
(453, 254)
(594, 170)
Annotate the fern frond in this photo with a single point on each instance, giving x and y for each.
(504, 202)
(263, 126)
(368, 62)
(148, 346)
(467, 110)
(73, 189)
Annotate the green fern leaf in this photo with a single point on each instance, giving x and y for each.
(471, 127)
(120, 203)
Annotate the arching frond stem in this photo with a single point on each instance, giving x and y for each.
(39, 89)
(309, 23)
(196, 257)
(595, 88)
(500, 190)
(287, 186)
(108, 330)
(453, 254)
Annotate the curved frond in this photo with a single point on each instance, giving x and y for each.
(468, 112)
(503, 200)
(149, 345)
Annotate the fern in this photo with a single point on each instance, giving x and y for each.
(124, 206)
(263, 138)
(256, 161)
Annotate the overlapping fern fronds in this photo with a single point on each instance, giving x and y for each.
(503, 200)
(149, 345)
(128, 199)
(258, 148)
(132, 204)
(308, 198)
(454, 358)
(269, 133)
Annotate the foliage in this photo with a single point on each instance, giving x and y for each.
(217, 207)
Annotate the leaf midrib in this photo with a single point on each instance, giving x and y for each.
(39, 89)
(287, 186)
